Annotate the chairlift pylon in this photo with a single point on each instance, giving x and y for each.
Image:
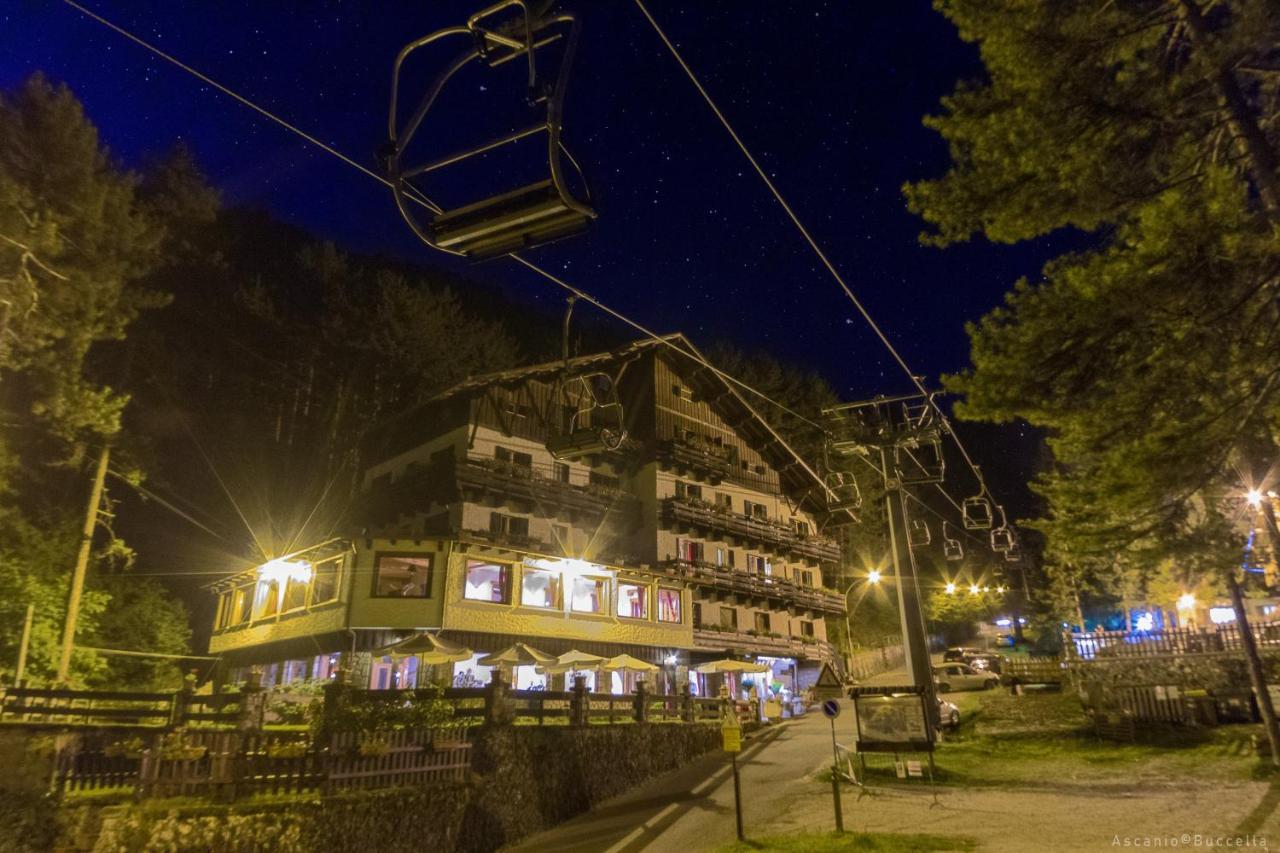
(596, 423)
(520, 218)
(951, 547)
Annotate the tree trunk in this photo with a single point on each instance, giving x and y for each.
(1240, 119)
(1257, 675)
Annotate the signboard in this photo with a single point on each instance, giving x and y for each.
(914, 768)
(891, 723)
(828, 685)
(773, 709)
(731, 735)
(831, 708)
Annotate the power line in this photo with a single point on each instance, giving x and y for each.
(423, 200)
(813, 244)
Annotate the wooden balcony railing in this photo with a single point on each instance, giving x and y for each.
(480, 477)
(785, 592)
(696, 514)
(700, 458)
(764, 643)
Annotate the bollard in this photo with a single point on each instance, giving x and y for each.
(686, 704)
(579, 704)
(641, 703)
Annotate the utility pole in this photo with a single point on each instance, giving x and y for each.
(82, 565)
(23, 646)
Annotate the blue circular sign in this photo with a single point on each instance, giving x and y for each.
(831, 708)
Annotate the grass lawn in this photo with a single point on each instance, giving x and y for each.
(1043, 740)
(871, 842)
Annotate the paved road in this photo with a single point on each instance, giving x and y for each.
(691, 809)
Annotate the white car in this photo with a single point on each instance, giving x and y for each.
(961, 676)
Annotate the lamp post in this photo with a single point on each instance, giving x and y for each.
(873, 578)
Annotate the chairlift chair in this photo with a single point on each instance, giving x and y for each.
(918, 535)
(517, 219)
(951, 547)
(919, 461)
(977, 512)
(842, 492)
(597, 423)
(1002, 540)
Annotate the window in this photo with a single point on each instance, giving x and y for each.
(487, 582)
(759, 565)
(669, 605)
(801, 527)
(633, 601)
(402, 576)
(680, 392)
(806, 577)
(720, 556)
(560, 472)
(540, 588)
(240, 606)
(508, 525)
(266, 601)
(728, 618)
(697, 615)
(806, 629)
(589, 594)
(755, 510)
(687, 549)
(295, 592)
(724, 501)
(324, 583)
(688, 491)
(513, 457)
(762, 623)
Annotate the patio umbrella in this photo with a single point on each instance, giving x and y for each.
(627, 662)
(731, 665)
(518, 654)
(432, 649)
(572, 661)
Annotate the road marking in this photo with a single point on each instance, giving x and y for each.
(711, 781)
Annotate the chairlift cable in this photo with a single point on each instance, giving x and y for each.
(418, 197)
(804, 232)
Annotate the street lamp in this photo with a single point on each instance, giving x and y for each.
(951, 589)
(973, 589)
(1254, 497)
(873, 577)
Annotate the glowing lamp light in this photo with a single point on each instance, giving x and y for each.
(1145, 622)
(279, 570)
(873, 576)
(1004, 623)
(1221, 615)
(951, 589)
(1254, 497)
(1186, 601)
(986, 589)
(670, 660)
(1000, 590)
(973, 589)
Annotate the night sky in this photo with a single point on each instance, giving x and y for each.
(829, 95)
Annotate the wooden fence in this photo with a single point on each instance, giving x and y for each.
(862, 665)
(61, 707)
(233, 765)
(1021, 671)
(1170, 641)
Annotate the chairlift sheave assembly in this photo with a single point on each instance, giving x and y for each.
(597, 423)
(516, 219)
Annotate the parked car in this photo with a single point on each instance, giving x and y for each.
(948, 714)
(961, 676)
(957, 654)
(987, 662)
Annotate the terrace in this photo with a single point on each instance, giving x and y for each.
(758, 588)
(691, 514)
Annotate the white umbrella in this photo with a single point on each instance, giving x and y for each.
(431, 648)
(731, 665)
(571, 661)
(627, 662)
(518, 654)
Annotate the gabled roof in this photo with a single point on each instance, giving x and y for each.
(740, 414)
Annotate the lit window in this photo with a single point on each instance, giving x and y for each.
(1221, 615)
(240, 606)
(668, 605)
(589, 594)
(487, 582)
(295, 592)
(540, 588)
(267, 599)
(325, 581)
(633, 601)
(399, 576)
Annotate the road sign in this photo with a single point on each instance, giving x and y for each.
(732, 738)
(831, 708)
(828, 685)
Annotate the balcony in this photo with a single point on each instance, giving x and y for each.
(488, 480)
(763, 644)
(692, 514)
(697, 457)
(785, 593)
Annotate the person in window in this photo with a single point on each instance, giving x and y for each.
(413, 585)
